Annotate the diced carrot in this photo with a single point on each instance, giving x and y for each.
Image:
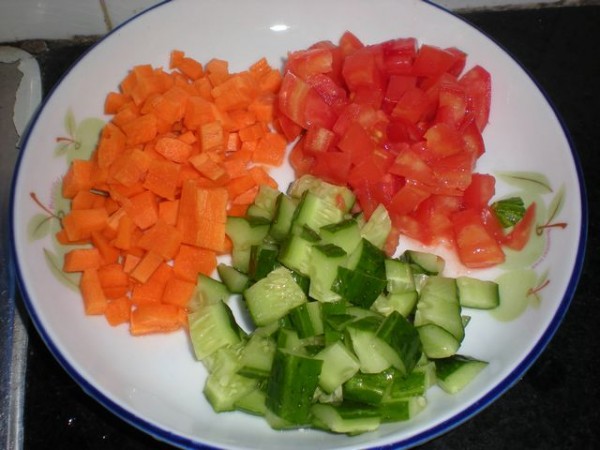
(270, 149)
(140, 130)
(238, 210)
(146, 267)
(127, 114)
(87, 200)
(175, 59)
(252, 132)
(79, 177)
(143, 209)
(114, 101)
(178, 292)
(191, 68)
(118, 311)
(130, 168)
(211, 235)
(173, 149)
(167, 211)
(217, 71)
(80, 223)
(114, 280)
(212, 136)
(154, 318)
(81, 259)
(261, 176)
(130, 261)
(239, 185)
(162, 239)
(94, 300)
(192, 260)
(108, 252)
(162, 178)
(209, 168)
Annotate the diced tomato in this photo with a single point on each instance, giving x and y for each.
(300, 161)
(302, 104)
(432, 61)
(357, 143)
(452, 104)
(306, 63)
(318, 139)
(492, 224)
(349, 43)
(454, 172)
(518, 237)
(481, 190)
(333, 167)
(407, 199)
(475, 246)
(478, 86)
(332, 93)
(413, 106)
(460, 60)
(443, 140)
(290, 129)
(398, 85)
(410, 165)
(472, 138)
(361, 69)
(399, 55)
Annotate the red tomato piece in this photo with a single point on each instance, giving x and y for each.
(410, 165)
(357, 143)
(305, 63)
(480, 191)
(475, 246)
(361, 69)
(432, 61)
(318, 139)
(300, 161)
(332, 93)
(460, 60)
(472, 139)
(413, 106)
(452, 104)
(333, 166)
(518, 237)
(478, 86)
(349, 43)
(407, 199)
(399, 55)
(443, 140)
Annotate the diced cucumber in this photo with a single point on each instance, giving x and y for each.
(477, 293)
(399, 276)
(234, 280)
(245, 232)
(282, 219)
(295, 254)
(439, 304)
(212, 327)
(315, 212)
(273, 296)
(339, 365)
(257, 211)
(378, 227)
(307, 319)
(223, 392)
(367, 258)
(344, 234)
(368, 349)
(405, 386)
(263, 259)
(359, 288)
(353, 419)
(394, 410)
(323, 268)
(253, 402)
(368, 388)
(256, 357)
(424, 262)
(401, 342)
(266, 200)
(402, 302)
(208, 291)
(437, 342)
(341, 196)
(291, 386)
(455, 372)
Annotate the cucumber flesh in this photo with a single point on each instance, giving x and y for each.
(477, 293)
(456, 372)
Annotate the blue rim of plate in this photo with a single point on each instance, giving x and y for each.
(420, 438)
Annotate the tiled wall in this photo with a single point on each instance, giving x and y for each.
(63, 19)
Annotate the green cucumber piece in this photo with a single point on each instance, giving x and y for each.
(437, 342)
(211, 328)
(323, 268)
(234, 280)
(346, 418)
(222, 392)
(439, 304)
(341, 196)
(263, 259)
(245, 232)
(256, 358)
(423, 262)
(358, 288)
(252, 402)
(367, 258)
(401, 409)
(399, 276)
(274, 296)
(295, 254)
(291, 386)
(307, 319)
(477, 293)
(400, 341)
(456, 372)
(402, 302)
(315, 212)
(344, 234)
(378, 227)
(285, 208)
(208, 291)
(368, 388)
(339, 365)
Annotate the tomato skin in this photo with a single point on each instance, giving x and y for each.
(443, 140)
(475, 246)
(318, 139)
(305, 63)
(518, 237)
(349, 43)
(333, 166)
(357, 143)
(361, 69)
(300, 161)
(410, 165)
(407, 199)
(413, 106)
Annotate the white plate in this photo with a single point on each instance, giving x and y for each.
(153, 382)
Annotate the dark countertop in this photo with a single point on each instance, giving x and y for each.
(555, 405)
